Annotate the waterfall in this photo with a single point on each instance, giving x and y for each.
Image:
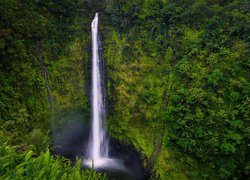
(98, 144)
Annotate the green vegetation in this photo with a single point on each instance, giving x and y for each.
(180, 82)
(44, 50)
(177, 77)
(23, 163)
(44, 54)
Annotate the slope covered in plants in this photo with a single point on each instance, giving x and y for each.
(44, 50)
(177, 74)
(179, 84)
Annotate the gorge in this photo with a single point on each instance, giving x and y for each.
(173, 102)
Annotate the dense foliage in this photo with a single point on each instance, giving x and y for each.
(178, 83)
(23, 163)
(44, 56)
(180, 70)
(42, 43)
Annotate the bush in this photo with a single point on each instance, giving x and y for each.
(19, 163)
(38, 138)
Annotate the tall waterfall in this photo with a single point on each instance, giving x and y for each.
(98, 145)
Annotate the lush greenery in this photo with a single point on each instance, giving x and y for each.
(44, 50)
(180, 72)
(22, 163)
(178, 83)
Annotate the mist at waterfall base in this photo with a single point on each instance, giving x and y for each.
(72, 138)
(115, 159)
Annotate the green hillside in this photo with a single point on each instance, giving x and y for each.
(177, 75)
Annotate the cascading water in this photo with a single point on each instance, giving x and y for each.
(128, 166)
(98, 145)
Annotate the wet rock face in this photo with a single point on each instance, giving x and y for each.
(130, 157)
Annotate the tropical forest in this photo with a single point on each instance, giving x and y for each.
(125, 89)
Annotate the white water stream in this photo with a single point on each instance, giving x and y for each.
(97, 102)
(98, 145)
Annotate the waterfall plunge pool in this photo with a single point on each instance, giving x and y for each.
(71, 140)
